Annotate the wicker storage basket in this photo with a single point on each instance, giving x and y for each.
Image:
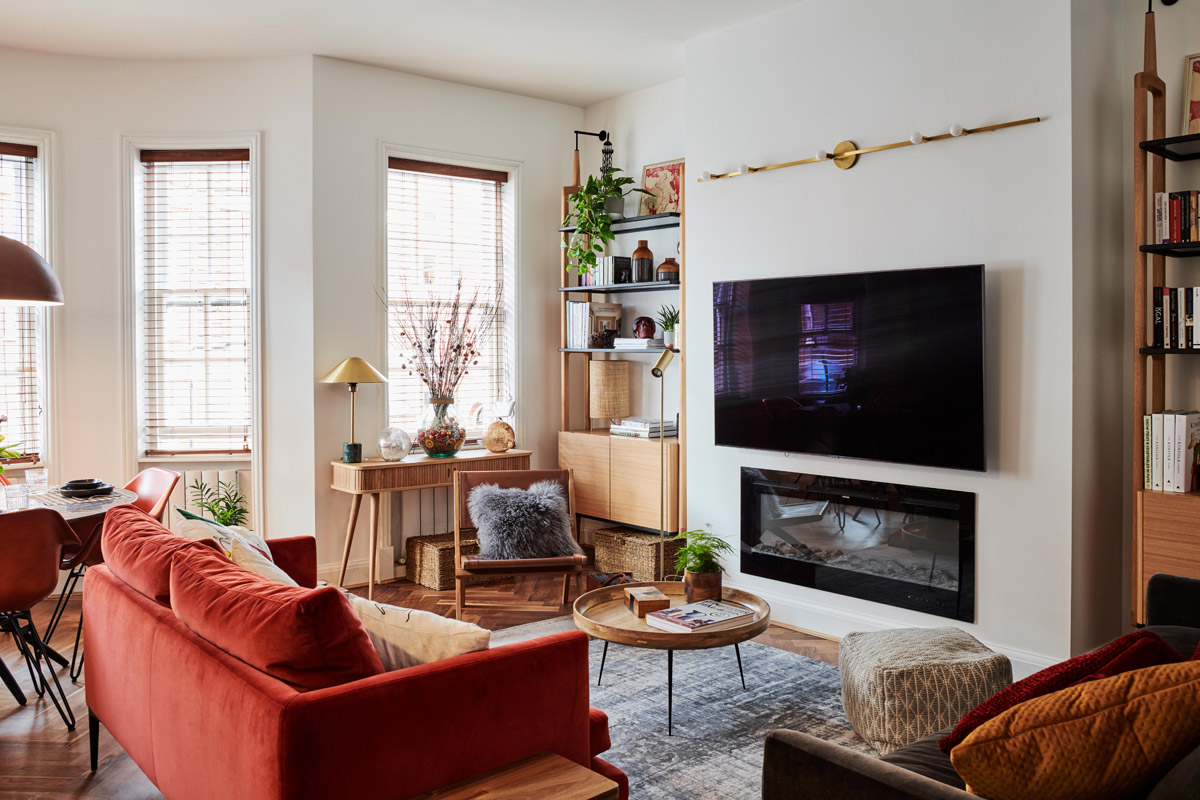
(430, 561)
(625, 550)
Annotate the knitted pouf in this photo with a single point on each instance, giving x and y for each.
(901, 685)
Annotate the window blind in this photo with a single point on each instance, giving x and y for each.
(194, 302)
(21, 387)
(828, 346)
(445, 223)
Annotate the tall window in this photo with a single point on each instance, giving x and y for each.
(446, 223)
(22, 390)
(194, 301)
(828, 346)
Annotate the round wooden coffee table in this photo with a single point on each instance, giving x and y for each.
(602, 613)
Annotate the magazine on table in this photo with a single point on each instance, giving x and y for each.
(705, 615)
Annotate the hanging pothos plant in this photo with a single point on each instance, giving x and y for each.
(589, 215)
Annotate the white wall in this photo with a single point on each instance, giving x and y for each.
(89, 104)
(646, 127)
(355, 108)
(779, 87)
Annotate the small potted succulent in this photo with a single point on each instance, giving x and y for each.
(668, 320)
(592, 212)
(699, 562)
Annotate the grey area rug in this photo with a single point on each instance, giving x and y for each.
(717, 746)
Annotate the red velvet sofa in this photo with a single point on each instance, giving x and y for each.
(203, 724)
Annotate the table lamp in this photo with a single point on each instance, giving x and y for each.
(25, 277)
(353, 371)
(658, 370)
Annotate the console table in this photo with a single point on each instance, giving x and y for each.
(375, 476)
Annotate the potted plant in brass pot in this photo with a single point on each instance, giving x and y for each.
(699, 562)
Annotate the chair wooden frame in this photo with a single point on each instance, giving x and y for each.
(515, 567)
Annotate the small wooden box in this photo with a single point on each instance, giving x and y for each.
(644, 599)
(429, 561)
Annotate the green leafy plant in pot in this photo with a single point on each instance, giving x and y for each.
(668, 320)
(699, 561)
(224, 501)
(590, 215)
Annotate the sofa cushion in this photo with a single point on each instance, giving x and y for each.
(925, 758)
(522, 523)
(243, 546)
(138, 550)
(405, 637)
(1105, 739)
(308, 638)
(1132, 651)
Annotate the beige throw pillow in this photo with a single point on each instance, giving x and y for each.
(405, 637)
(243, 546)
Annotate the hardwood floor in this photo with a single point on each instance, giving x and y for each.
(40, 758)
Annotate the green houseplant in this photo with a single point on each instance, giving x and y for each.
(590, 216)
(224, 502)
(6, 450)
(668, 320)
(699, 561)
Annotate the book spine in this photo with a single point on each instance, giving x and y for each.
(1172, 317)
(1168, 453)
(1181, 320)
(1195, 292)
(1189, 326)
(1147, 475)
(1185, 211)
(1175, 220)
(1158, 217)
(1157, 335)
(1180, 462)
(1192, 451)
(1156, 460)
(1193, 216)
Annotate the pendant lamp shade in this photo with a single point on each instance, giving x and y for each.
(25, 277)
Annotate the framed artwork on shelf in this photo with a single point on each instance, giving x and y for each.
(664, 182)
(1191, 96)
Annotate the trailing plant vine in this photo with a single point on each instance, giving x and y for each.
(588, 213)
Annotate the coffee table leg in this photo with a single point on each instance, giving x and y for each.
(670, 685)
(603, 658)
(737, 650)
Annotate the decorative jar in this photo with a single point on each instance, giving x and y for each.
(440, 434)
(394, 444)
(643, 263)
(499, 437)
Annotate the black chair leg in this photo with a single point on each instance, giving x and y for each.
(64, 708)
(61, 606)
(76, 655)
(94, 738)
(12, 622)
(12, 684)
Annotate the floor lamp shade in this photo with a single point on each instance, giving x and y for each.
(25, 277)
(608, 389)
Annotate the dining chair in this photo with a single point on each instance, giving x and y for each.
(466, 567)
(32, 542)
(153, 487)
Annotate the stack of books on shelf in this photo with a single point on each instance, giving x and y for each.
(607, 268)
(1177, 217)
(643, 428)
(1170, 442)
(584, 319)
(1173, 310)
(638, 344)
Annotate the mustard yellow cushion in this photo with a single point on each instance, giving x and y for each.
(1101, 740)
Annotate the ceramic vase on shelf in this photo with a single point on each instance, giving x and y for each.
(643, 263)
(668, 271)
(394, 444)
(699, 586)
(440, 434)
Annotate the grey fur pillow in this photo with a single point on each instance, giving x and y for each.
(522, 523)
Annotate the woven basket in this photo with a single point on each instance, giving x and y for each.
(625, 550)
(430, 561)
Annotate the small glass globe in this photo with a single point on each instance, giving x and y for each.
(394, 444)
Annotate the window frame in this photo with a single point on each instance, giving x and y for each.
(48, 366)
(513, 275)
(134, 365)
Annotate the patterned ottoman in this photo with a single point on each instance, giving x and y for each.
(901, 685)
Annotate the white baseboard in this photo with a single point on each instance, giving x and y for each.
(357, 570)
(835, 623)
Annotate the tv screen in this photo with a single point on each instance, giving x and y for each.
(886, 366)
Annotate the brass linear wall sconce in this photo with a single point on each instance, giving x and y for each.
(846, 153)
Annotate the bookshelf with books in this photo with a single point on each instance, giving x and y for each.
(1165, 441)
(620, 474)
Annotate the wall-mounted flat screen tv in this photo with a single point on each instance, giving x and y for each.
(886, 366)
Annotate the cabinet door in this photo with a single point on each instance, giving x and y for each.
(587, 455)
(637, 482)
(1169, 542)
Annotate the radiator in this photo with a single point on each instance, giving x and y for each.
(183, 495)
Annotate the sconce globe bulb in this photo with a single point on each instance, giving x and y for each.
(956, 130)
(822, 155)
(916, 138)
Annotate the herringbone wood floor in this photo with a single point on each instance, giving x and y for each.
(40, 758)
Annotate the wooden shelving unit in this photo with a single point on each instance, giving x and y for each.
(1166, 525)
(618, 478)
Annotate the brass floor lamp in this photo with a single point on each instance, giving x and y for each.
(658, 370)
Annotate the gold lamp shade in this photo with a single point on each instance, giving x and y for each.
(25, 277)
(354, 370)
(608, 389)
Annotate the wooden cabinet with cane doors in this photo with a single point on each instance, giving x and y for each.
(618, 478)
